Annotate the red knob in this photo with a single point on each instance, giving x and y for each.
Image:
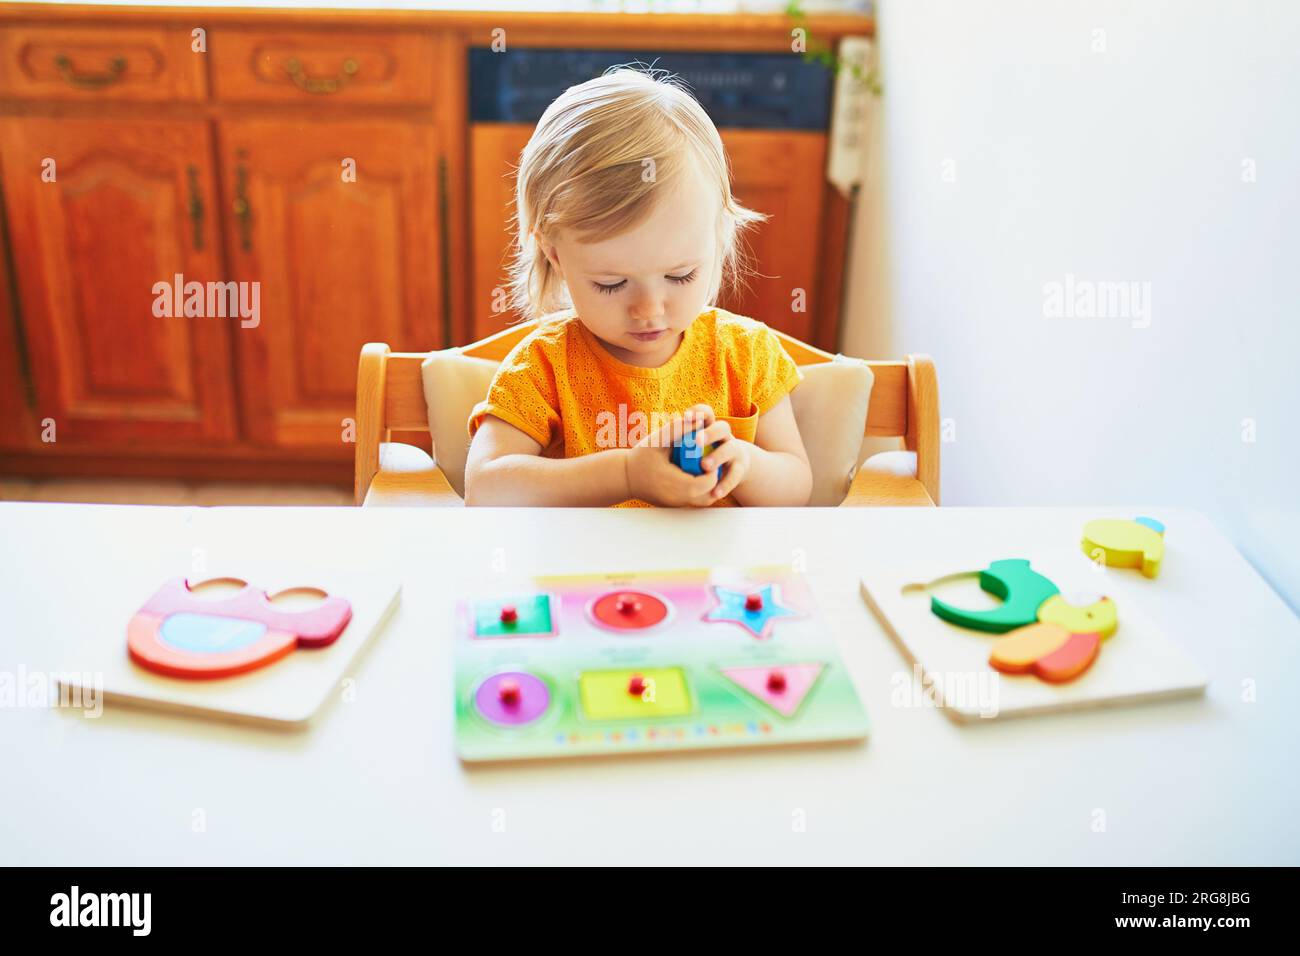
(509, 614)
(627, 604)
(508, 692)
(776, 682)
(753, 601)
(636, 686)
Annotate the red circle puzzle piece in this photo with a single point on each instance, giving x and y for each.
(629, 610)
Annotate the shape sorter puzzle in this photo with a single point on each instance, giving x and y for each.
(648, 662)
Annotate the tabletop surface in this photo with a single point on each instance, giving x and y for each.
(375, 779)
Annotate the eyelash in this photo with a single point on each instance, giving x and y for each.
(611, 289)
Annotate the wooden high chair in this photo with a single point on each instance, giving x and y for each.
(390, 397)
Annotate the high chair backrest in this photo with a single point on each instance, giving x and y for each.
(390, 397)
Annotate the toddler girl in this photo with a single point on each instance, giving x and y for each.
(626, 229)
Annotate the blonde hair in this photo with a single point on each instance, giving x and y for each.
(584, 171)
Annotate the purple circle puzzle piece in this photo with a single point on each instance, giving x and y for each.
(532, 697)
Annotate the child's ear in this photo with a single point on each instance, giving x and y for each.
(548, 249)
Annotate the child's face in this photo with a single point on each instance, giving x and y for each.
(654, 278)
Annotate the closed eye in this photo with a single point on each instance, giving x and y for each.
(614, 287)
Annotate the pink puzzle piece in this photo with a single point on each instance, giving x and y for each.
(782, 687)
(181, 635)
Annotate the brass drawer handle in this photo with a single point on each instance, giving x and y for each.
(90, 81)
(196, 207)
(329, 84)
(243, 211)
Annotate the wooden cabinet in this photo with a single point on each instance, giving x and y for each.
(100, 212)
(92, 64)
(344, 67)
(324, 159)
(494, 155)
(780, 173)
(337, 223)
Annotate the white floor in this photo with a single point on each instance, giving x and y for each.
(131, 491)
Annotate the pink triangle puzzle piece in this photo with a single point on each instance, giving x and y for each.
(782, 687)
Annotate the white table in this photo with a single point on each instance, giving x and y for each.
(376, 780)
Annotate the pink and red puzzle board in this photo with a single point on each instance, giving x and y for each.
(181, 635)
(239, 655)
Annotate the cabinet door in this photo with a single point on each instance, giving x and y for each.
(337, 222)
(781, 173)
(778, 172)
(494, 156)
(17, 429)
(121, 207)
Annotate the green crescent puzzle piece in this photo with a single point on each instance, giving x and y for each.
(1021, 589)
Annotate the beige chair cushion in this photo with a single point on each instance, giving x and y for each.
(830, 406)
(453, 384)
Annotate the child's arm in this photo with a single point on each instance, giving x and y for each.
(773, 470)
(505, 467)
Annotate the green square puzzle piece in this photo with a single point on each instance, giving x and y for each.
(533, 617)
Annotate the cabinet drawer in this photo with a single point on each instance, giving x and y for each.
(106, 63)
(344, 66)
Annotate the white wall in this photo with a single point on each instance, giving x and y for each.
(1124, 164)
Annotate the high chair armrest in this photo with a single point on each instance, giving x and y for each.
(887, 480)
(408, 477)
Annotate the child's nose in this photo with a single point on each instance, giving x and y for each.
(648, 308)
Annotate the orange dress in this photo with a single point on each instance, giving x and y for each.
(562, 388)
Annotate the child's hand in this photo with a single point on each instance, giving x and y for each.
(735, 453)
(651, 475)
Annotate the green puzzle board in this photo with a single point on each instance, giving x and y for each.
(648, 662)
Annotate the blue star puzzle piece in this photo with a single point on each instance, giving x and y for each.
(731, 607)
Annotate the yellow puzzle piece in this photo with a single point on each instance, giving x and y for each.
(1126, 544)
(630, 694)
(1099, 617)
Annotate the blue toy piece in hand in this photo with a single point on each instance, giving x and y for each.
(687, 454)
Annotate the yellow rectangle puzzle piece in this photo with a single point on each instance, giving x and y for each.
(610, 695)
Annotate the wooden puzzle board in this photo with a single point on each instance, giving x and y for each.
(648, 662)
(286, 693)
(1138, 663)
